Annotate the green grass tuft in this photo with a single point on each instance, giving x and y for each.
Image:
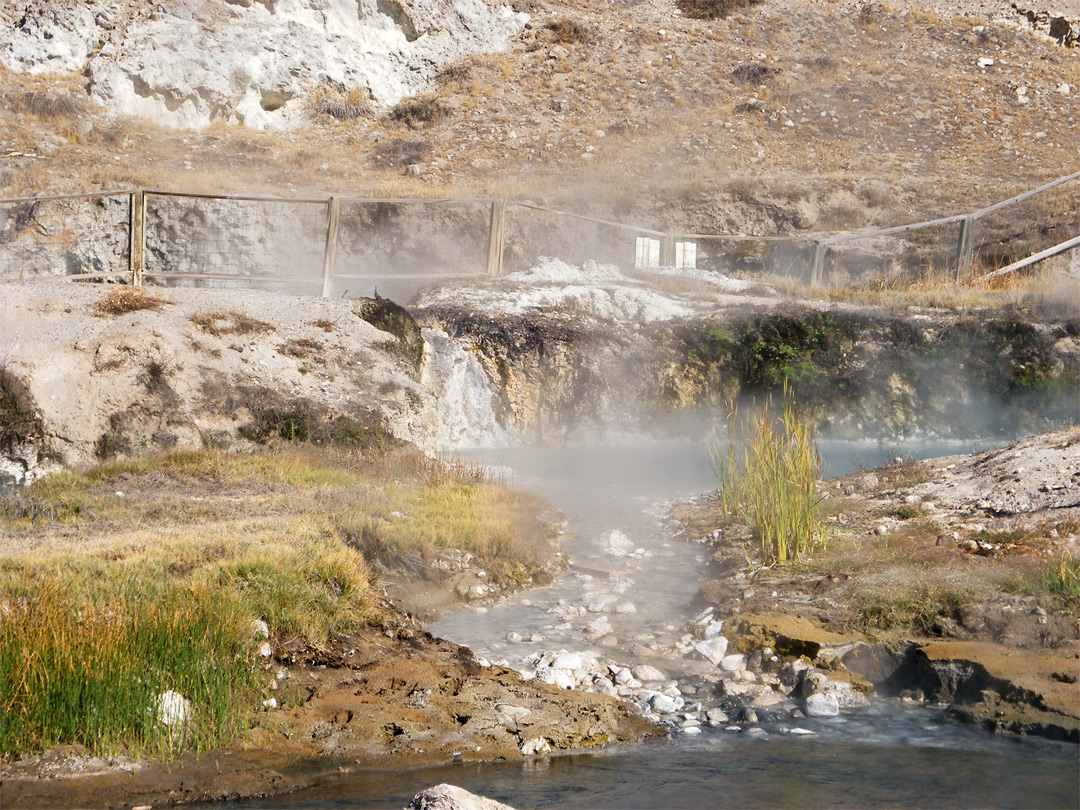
(88, 668)
(773, 485)
(1055, 581)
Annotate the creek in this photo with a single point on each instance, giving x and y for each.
(886, 755)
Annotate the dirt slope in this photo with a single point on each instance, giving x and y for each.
(783, 116)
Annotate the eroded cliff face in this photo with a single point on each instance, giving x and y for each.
(552, 354)
(85, 375)
(253, 62)
(590, 351)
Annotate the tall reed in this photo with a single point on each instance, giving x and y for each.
(769, 481)
(89, 669)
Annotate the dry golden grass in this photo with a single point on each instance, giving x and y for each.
(337, 104)
(232, 506)
(1042, 289)
(230, 323)
(122, 300)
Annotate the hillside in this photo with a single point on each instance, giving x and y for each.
(783, 116)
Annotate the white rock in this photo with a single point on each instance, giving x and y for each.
(736, 662)
(512, 711)
(451, 797)
(535, 745)
(269, 703)
(598, 628)
(173, 710)
(617, 544)
(567, 660)
(601, 603)
(662, 704)
(713, 629)
(985, 62)
(513, 638)
(712, 650)
(1064, 89)
(265, 650)
(691, 730)
(716, 717)
(645, 672)
(626, 607)
(556, 677)
(822, 705)
(260, 629)
(624, 676)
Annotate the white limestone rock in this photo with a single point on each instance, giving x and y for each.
(189, 62)
(712, 650)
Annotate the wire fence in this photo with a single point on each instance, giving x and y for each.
(339, 246)
(76, 236)
(231, 242)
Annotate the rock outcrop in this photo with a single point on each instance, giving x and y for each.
(451, 797)
(185, 369)
(188, 63)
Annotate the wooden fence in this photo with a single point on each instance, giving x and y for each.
(323, 243)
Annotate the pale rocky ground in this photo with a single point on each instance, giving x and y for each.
(155, 378)
(189, 63)
(1035, 476)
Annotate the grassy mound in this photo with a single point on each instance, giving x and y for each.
(136, 578)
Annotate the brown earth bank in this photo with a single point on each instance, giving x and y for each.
(951, 581)
(367, 700)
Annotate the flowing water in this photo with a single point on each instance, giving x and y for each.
(888, 755)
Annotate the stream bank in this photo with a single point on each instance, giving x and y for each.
(952, 581)
(195, 368)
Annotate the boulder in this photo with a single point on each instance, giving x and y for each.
(451, 797)
(646, 673)
(712, 650)
(822, 705)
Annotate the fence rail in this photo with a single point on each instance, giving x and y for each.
(324, 246)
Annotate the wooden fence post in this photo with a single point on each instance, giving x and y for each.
(496, 238)
(137, 238)
(964, 248)
(333, 218)
(817, 270)
(667, 250)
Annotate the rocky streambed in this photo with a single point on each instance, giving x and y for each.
(766, 649)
